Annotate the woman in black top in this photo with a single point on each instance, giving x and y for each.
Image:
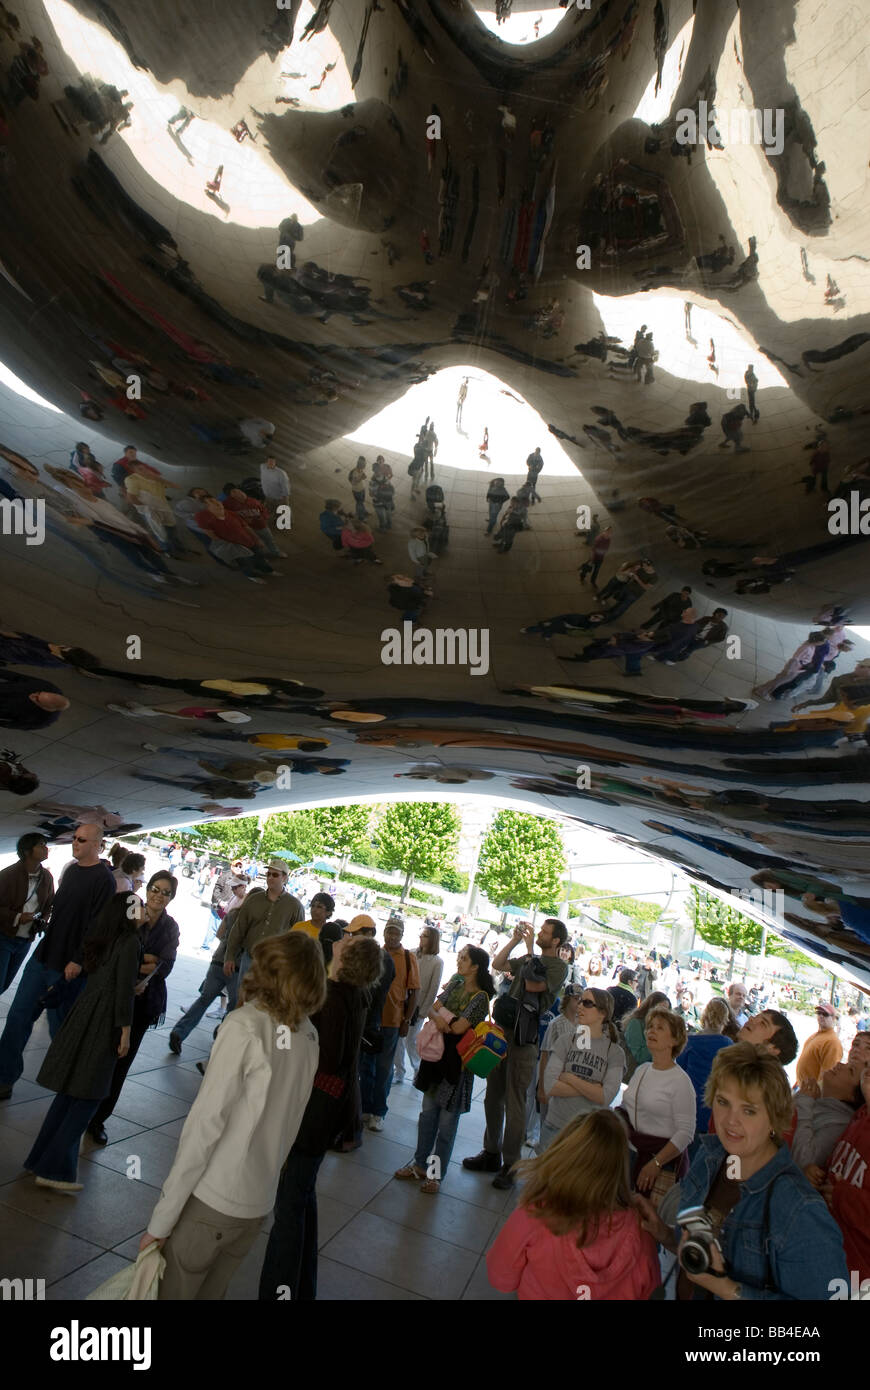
(159, 943)
(96, 1032)
(291, 1255)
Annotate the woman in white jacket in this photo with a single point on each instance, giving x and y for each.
(243, 1122)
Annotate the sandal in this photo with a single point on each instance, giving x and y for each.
(410, 1173)
(431, 1186)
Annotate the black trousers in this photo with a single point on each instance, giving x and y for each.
(138, 1029)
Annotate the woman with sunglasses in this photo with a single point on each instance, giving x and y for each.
(159, 939)
(585, 1066)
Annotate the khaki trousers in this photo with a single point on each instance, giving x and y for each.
(204, 1251)
(505, 1102)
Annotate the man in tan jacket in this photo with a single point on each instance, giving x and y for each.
(268, 911)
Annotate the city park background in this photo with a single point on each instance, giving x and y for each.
(440, 859)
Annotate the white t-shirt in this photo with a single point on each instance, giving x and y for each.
(274, 482)
(31, 902)
(254, 429)
(662, 1102)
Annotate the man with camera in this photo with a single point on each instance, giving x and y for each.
(536, 981)
(26, 896)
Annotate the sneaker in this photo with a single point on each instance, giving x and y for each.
(503, 1180)
(484, 1162)
(175, 1043)
(98, 1134)
(60, 1186)
(376, 1123)
(150, 747)
(200, 1066)
(365, 1121)
(252, 579)
(155, 579)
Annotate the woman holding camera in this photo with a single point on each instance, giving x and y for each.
(753, 1227)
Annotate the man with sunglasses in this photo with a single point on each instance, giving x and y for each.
(86, 885)
(822, 1049)
(268, 911)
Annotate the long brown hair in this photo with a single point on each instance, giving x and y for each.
(581, 1178)
(604, 1002)
(652, 1001)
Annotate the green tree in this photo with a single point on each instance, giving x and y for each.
(297, 831)
(722, 925)
(344, 831)
(521, 861)
(418, 837)
(233, 839)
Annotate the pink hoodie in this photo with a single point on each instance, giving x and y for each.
(621, 1264)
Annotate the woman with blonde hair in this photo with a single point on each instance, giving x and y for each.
(772, 1235)
(291, 1254)
(243, 1122)
(575, 1233)
(698, 1056)
(659, 1105)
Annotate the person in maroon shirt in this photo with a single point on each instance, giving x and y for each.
(600, 547)
(254, 513)
(234, 541)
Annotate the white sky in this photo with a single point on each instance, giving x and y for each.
(515, 428)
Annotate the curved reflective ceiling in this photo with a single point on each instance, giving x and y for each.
(238, 231)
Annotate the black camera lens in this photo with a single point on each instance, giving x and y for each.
(695, 1257)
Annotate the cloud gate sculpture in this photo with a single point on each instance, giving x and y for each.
(634, 249)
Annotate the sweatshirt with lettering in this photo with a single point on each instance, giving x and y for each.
(850, 1204)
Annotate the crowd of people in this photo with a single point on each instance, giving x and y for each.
(320, 1023)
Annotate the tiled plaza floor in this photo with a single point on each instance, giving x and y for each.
(379, 1239)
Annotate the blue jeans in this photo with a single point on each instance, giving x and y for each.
(13, 949)
(360, 499)
(436, 1134)
(264, 535)
(494, 509)
(291, 1254)
(213, 922)
(211, 988)
(376, 1074)
(55, 1152)
(25, 1010)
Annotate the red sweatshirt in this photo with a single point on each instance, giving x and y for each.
(621, 1264)
(252, 511)
(847, 1170)
(228, 527)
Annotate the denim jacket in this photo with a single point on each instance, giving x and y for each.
(802, 1249)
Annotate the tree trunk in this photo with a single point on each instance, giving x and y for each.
(342, 868)
(409, 879)
(731, 963)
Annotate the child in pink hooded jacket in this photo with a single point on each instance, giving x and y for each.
(575, 1234)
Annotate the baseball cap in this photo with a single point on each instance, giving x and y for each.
(826, 1009)
(361, 922)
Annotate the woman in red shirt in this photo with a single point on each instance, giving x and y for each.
(575, 1234)
(254, 513)
(358, 539)
(234, 541)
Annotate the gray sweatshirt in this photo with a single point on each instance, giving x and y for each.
(601, 1062)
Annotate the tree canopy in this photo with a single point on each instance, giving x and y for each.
(522, 861)
(420, 838)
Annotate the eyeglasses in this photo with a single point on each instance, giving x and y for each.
(589, 1003)
(161, 892)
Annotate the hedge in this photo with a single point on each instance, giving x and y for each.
(382, 886)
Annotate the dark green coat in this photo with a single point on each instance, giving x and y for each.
(82, 1057)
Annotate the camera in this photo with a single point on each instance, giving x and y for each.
(695, 1250)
